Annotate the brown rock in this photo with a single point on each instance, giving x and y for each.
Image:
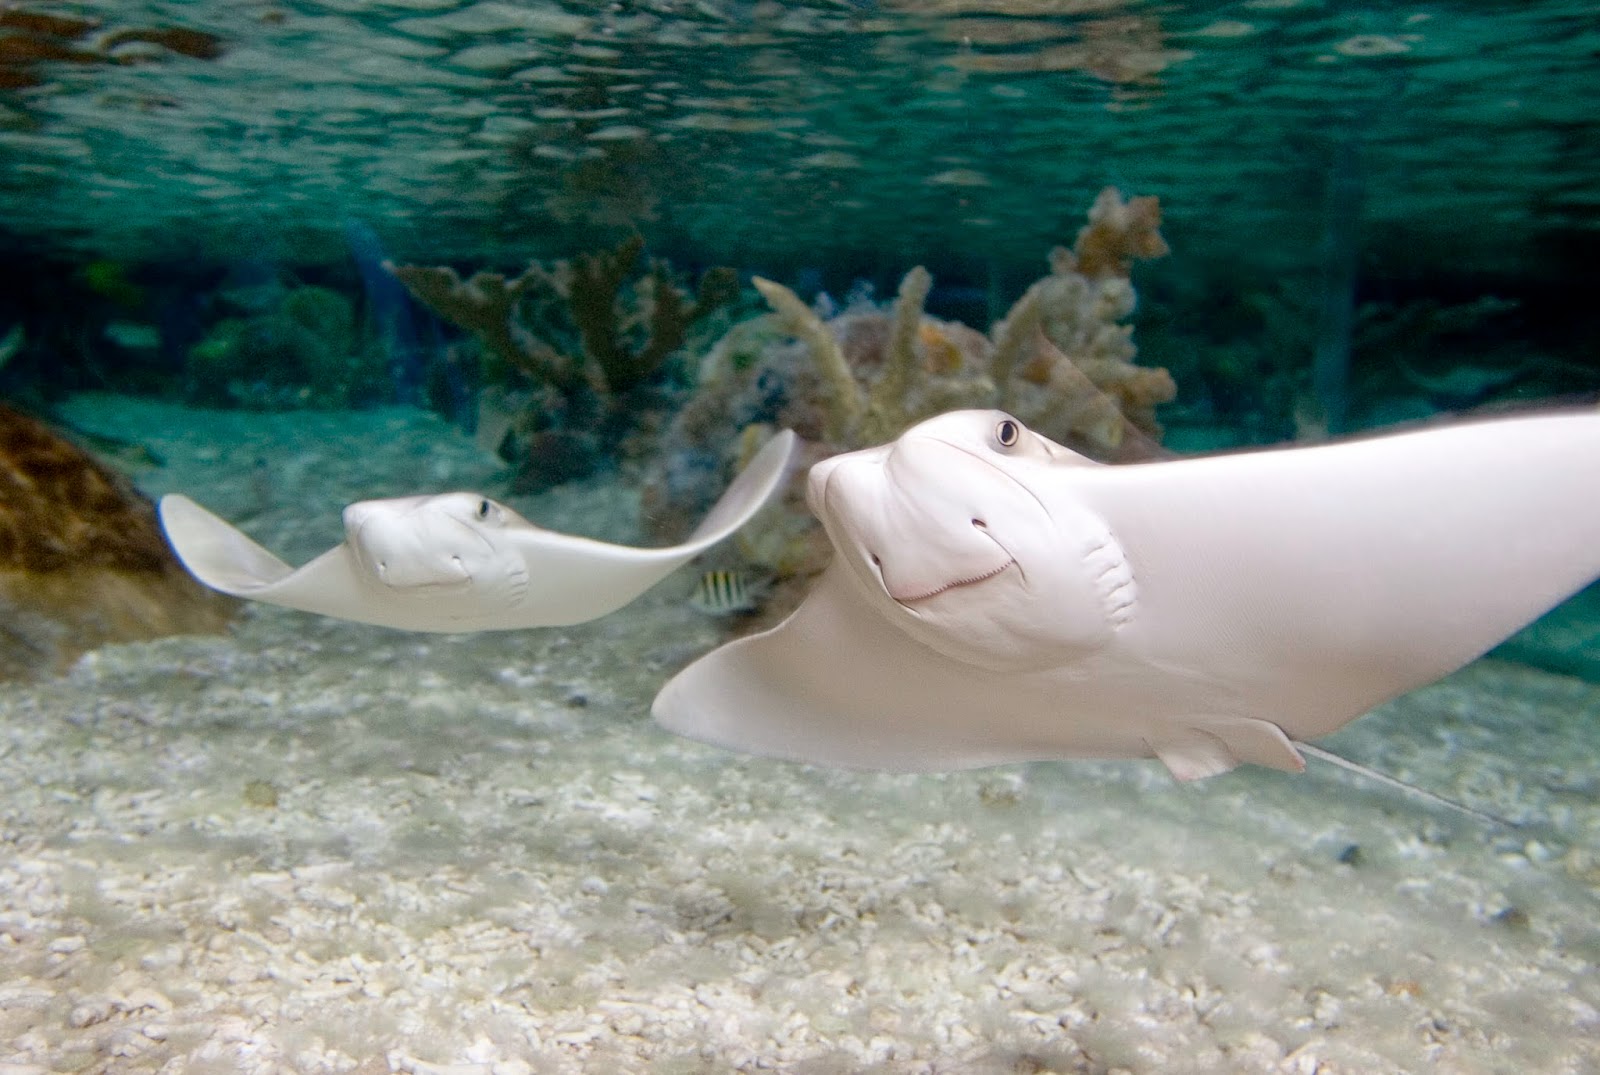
(82, 558)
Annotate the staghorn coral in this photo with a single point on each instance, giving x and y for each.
(577, 322)
(485, 305)
(1061, 360)
(574, 346)
(628, 342)
(82, 559)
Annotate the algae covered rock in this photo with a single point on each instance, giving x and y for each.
(82, 558)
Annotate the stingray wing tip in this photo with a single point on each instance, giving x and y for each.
(214, 551)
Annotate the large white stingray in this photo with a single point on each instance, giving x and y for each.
(458, 561)
(995, 597)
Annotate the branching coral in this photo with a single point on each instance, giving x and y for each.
(594, 330)
(485, 305)
(1119, 233)
(613, 336)
(1061, 360)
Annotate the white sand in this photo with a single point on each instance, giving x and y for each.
(314, 847)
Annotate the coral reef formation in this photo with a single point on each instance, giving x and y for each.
(82, 559)
(573, 351)
(1062, 360)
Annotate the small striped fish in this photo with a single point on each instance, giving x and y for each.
(728, 593)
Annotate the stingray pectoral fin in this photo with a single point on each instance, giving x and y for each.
(1214, 745)
(780, 693)
(750, 491)
(575, 579)
(215, 551)
(221, 556)
(836, 684)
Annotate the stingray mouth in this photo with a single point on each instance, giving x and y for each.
(956, 584)
(444, 577)
(907, 593)
(911, 562)
(420, 554)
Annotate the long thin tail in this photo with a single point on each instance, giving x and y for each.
(1400, 785)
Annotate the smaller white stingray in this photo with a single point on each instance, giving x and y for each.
(458, 561)
(995, 597)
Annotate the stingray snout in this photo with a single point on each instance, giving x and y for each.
(405, 544)
(359, 515)
(916, 518)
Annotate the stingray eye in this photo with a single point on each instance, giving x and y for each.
(1008, 432)
(484, 509)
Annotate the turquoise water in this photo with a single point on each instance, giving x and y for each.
(825, 134)
(1401, 154)
(312, 846)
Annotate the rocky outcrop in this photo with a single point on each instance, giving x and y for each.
(82, 558)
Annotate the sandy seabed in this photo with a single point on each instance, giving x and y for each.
(319, 847)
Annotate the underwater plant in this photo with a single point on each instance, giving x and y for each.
(1061, 360)
(572, 349)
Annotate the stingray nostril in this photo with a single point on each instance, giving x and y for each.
(980, 524)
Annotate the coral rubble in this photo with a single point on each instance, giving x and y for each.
(82, 559)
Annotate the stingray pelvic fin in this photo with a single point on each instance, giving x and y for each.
(1193, 754)
(1211, 746)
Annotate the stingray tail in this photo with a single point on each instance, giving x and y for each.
(1400, 785)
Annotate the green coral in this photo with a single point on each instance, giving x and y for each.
(595, 320)
(574, 352)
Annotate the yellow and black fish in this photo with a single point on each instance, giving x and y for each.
(728, 593)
